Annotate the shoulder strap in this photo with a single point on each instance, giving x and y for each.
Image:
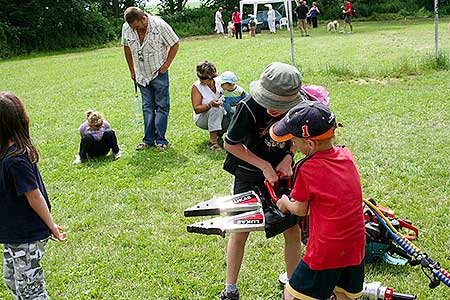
(298, 165)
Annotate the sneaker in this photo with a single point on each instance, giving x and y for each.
(77, 160)
(283, 278)
(142, 146)
(117, 155)
(162, 147)
(229, 296)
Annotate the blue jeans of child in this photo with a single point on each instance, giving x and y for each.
(155, 108)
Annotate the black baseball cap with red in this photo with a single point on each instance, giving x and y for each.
(309, 120)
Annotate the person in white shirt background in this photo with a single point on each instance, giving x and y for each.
(219, 21)
(271, 18)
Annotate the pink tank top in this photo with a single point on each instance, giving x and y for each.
(236, 17)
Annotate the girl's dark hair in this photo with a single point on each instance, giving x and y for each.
(206, 70)
(14, 125)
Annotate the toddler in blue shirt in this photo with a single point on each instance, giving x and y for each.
(232, 93)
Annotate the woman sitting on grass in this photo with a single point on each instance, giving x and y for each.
(96, 138)
(209, 113)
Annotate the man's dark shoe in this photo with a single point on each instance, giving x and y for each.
(229, 296)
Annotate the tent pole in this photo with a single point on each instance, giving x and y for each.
(436, 29)
(291, 28)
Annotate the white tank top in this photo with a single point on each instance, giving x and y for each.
(207, 94)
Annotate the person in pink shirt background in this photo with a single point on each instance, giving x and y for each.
(237, 20)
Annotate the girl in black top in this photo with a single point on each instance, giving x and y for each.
(25, 219)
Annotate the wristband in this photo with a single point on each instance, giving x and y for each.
(290, 153)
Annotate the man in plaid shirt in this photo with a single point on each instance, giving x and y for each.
(150, 45)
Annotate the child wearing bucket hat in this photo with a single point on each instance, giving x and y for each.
(253, 156)
(232, 93)
(327, 184)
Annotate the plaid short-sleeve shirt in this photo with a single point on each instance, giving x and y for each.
(149, 56)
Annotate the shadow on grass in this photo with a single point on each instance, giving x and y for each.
(97, 162)
(203, 149)
(152, 161)
(384, 269)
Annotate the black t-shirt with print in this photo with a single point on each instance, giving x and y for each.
(19, 223)
(250, 126)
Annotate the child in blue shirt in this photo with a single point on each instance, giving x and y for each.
(231, 92)
(25, 220)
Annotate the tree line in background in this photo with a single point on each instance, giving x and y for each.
(48, 25)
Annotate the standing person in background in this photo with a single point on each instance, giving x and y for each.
(150, 45)
(26, 223)
(237, 20)
(348, 16)
(314, 12)
(302, 11)
(219, 21)
(271, 18)
(252, 24)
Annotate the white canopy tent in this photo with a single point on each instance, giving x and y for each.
(288, 10)
(256, 2)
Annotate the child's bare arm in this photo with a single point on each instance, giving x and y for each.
(293, 206)
(37, 202)
(242, 152)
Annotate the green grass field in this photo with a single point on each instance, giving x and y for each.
(127, 234)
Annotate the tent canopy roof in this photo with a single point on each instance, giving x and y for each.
(260, 1)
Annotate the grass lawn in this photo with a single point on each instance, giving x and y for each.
(127, 233)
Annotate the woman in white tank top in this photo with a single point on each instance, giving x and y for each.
(206, 95)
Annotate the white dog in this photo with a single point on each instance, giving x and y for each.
(333, 26)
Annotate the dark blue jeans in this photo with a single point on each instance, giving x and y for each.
(155, 108)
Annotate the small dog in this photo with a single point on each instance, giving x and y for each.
(333, 26)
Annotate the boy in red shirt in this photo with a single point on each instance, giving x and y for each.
(327, 184)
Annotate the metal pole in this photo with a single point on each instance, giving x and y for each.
(436, 29)
(291, 30)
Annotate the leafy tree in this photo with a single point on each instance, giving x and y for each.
(171, 7)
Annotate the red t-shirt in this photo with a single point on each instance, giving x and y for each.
(329, 180)
(349, 9)
(236, 17)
